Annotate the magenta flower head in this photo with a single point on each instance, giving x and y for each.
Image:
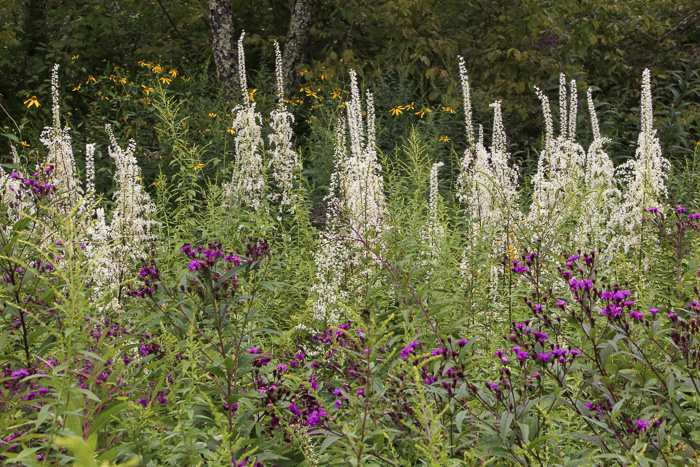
(463, 342)
(653, 311)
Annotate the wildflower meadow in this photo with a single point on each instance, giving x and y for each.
(331, 277)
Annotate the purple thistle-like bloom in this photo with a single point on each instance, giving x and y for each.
(672, 316)
(408, 350)
(543, 356)
(575, 352)
(561, 303)
(642, 425)
(463, 342)
(282, 367)
(437, 352)
(541, 336)
(360, 392)
(493, 386)
(653, 210)
(636, 315)
(653, 311)
(254, 351)
(522, 355)
(196, 265)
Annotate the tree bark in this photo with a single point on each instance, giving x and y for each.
(223, 45)
(297, 40)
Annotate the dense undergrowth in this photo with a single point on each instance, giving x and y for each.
(430, 302)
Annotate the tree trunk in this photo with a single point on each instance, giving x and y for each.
(223, 45)
(297, 39)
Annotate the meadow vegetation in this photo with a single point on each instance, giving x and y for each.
(336, 278)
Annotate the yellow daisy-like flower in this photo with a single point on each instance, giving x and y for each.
(25, 144)
(396, 111)
(157, 69)
(212, 114)
(147, 89)
(32, 102)
(231, 130)
(75, 57)
(186, 79)
(173, 73)
(323, 76)
(198, 166)
(113, 78)
(423, 111)
(251, 95)
(444, 139)
(122, 80)
(156, 183)
(77, 88)
(91, 78)
(146, 64)
(336, 95)
(165, 80)
(409, 106)
(448, 109)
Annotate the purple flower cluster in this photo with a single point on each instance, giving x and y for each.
(205, 257)
(36, 184)
(148, 276)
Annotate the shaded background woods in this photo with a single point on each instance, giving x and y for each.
(405, 50)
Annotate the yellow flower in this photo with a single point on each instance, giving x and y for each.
(77, 88)
(75, 57)
(231, 130)
(25, 144)
(147, 89)
(198, 166)
(212, 115)
(142, 63)
(448, 109)
(251, 95)
(165, 80)
(409, 106)
(335, 95)
(186, 80)
(91, 78)
(105, 98)
(32, 101)
(113, 78)
(173, 73)
(396, 111)
(157, 69)
(323, 76)
(301, 73)
(423, 111)
(122, 80)
(156, 183)
(444, 139)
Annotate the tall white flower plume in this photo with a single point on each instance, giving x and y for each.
(284, 159)
(248, 183)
